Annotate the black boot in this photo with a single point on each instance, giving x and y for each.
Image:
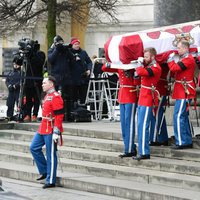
(42, 177)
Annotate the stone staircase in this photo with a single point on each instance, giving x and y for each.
(89, 161)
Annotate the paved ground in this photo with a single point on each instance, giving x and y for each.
(21, 190)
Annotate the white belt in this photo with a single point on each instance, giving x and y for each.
(48, 118)
(177, 81)
(153, 89)
(127, 86)
(187, 83)
(147, 87)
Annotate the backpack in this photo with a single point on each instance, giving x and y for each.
(80, 113)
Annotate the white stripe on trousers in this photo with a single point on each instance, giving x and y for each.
(131, 128)
(52, 161)
(178, 122)
(144, 130)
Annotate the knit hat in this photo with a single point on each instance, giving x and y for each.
(74, 40)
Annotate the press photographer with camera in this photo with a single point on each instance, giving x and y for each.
(61, 60)
(33, 61)
(80, 71)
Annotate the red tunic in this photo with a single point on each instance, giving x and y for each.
(183, 75)
(162, 85)
(127, 89)
(147, 97)
(53, 102)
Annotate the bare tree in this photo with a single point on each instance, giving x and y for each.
(18, 14)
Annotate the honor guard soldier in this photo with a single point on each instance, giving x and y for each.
(158, 130)
(48, 133)
(184, 91)
(127, 98)
(150, 74)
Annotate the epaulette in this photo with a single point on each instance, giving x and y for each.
(56, 93)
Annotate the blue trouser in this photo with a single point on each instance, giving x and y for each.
(158, 127)
(46, 165)
(182, 126)
(144, 119)
(127, 118)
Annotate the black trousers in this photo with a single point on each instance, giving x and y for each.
(13, 97)
(79, 93)
(33, 97)
(67, 95)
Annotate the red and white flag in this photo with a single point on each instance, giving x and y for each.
(122, 49)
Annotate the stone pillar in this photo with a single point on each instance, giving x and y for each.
(79, 23)
(168, 12)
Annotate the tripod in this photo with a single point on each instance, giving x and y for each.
(22, 84)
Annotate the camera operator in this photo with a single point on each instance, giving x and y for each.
(34, 60)
(80, 71)
(61, 60)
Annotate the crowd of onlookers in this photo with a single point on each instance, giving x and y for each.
(69, 64)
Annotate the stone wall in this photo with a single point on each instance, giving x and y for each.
(133, 15)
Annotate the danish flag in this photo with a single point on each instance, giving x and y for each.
(122, 49)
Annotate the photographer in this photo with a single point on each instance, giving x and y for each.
(13, 85)
(80, 71)
(33, 63)
(61, 60)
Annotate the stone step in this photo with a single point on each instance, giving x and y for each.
(69, 140)
(103, 144)
(155, 163)
(90, 130)
(113, 171)
(109, 186)
(73, 130)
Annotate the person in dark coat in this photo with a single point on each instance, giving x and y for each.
(80, 71)
(13, 85)
(33, 83)
(61, 60)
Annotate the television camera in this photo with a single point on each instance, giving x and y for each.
(28, 46)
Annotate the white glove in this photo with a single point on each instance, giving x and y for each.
(140, 60)
(56, 133)
(107, 65)
(171, 57)
(55, 137)
(135, 74)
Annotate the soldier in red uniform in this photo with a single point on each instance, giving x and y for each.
(48, 133)
(148, 98)
(184, 91)
(127, 98)
(158, 130)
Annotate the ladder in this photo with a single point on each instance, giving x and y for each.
(98, 92)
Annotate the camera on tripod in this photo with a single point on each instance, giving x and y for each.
(28, 46)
